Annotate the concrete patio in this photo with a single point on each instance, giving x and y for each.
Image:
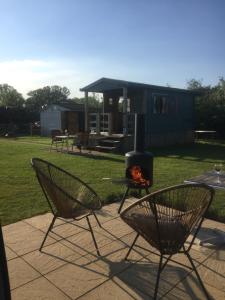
(70, 269)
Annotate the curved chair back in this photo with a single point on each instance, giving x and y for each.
(67, 195)
(166, 218)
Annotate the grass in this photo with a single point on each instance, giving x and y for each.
(21, 197)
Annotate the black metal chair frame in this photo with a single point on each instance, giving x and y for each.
(81, 141)
(184, 250)
(57, 214)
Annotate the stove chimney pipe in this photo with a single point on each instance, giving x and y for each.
(139, 133)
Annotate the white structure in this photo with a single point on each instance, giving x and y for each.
(65, 115)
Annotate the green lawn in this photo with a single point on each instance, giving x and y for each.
(21, 197)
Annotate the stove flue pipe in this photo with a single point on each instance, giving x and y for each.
(139, 133)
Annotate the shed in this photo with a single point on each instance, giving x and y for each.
(169, 112)
(65, 115)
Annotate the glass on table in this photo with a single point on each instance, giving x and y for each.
(218, 168)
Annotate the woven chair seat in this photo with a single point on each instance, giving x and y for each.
(172, 232)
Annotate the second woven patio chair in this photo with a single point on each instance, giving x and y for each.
(166, 218)
(69, 197)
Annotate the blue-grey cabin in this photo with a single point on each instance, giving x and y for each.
(169, 112)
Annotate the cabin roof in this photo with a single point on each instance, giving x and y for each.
(107, 84)
(70, 105)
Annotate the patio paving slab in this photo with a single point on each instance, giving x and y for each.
(9, 253)
(212, 270)
(51, 257)
(114, 289)
(78, 277)
(20, 272)
(189, 289)
(23, 238)
(39, 289)
(69, 267)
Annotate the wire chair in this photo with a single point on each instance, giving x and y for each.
(166, 218)
(81, 141)
(68, 196)
(56, 141)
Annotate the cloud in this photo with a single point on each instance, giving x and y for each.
(27, 75)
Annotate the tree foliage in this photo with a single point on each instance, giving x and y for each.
(92, 102)
(45, 96)
(210, 105)
(9, 97)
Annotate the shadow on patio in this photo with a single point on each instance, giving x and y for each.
(69, 269)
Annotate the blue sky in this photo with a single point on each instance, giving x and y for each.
(75, 42)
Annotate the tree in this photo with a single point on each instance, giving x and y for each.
(92, 102)
(210, 106)
(10, 97)
(46, 96)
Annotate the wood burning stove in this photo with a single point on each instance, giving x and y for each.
(139, 163)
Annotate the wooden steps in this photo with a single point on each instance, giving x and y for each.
(108, 144)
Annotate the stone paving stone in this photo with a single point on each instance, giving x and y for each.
(16, 228)
(142, 276)
(51, 257)
(67, 230)
(20, 272)
(111, 260)
(84, 272)
(39, 289)
(9, 253)
(77, 278)
(41, 222)
(114, 289)
(189, 289)
(212, 271)
(115, 228)
(23, 238)
(83, 242)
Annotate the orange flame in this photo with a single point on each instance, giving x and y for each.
(137, 176)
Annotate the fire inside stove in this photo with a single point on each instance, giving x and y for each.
(138, 177)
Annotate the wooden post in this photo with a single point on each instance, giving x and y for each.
(86, 119)
(125, 121)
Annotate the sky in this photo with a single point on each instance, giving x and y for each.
(75, 42)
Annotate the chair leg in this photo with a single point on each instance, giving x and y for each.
(49, 229)
(158, 277)
(198, 276)
(131, 247)
(93, 237)
(99, 224)
(123, 200)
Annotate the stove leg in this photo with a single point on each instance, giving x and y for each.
(139, 193)
(147, 191)
(123, 200)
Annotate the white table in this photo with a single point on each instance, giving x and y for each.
(211, 178)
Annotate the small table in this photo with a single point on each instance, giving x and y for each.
(65, 139)
(211, 178)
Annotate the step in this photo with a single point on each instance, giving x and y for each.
(105, 148)
(110, 141)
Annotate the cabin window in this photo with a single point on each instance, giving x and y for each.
(110, 101)
(160, 104)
